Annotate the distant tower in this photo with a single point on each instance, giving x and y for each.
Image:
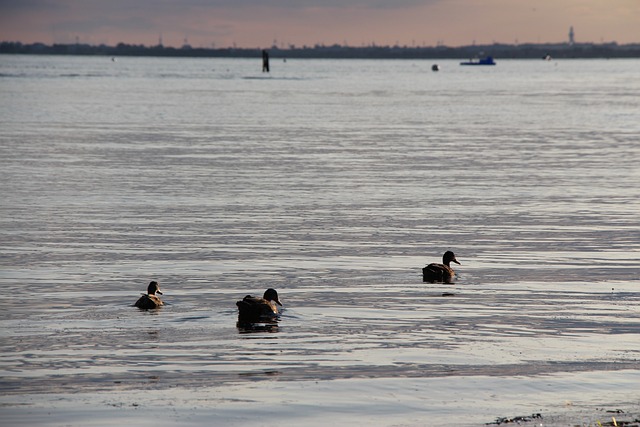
(160, 40)
(571, 34)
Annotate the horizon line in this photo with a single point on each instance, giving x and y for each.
(321, 45)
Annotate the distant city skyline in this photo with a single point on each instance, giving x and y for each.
(264, 23)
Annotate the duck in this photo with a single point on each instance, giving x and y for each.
(254, 309)
(150, 300)
(440, 272)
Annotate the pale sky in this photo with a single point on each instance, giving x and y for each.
(260, 23)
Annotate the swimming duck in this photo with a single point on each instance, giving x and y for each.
(440, 272)
(150, 300)
(253, 309)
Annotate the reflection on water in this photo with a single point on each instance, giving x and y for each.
(248, 327)
(335, 185)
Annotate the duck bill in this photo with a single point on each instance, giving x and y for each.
(158, 291)
(278, 302)
(456, 261)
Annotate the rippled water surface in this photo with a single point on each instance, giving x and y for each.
(334, 182)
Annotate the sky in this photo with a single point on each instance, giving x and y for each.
(285, 23)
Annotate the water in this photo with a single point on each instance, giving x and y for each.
(334, 182)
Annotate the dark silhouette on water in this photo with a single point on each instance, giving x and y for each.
(517, 420)
(255, 309)
(440, 273)
(150, 300)
(265, 61)
(480, 61)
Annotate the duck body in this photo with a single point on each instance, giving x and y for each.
(149, 300)
(440, 273)
(253, 309)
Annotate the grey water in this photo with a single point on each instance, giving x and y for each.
(335, 182)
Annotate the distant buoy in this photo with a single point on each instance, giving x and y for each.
(435, 67)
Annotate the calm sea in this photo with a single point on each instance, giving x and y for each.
(334, 182)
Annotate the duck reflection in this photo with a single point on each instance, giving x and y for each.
(245, 327)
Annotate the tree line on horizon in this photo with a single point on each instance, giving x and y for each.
(519, 51)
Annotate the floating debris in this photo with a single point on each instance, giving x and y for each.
(520, 419)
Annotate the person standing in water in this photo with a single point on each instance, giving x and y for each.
(265, 61)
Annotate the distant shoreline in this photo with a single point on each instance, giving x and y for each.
(502, 51)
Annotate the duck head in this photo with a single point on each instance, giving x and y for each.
(153, 288)
(448, 257)
(271, 295)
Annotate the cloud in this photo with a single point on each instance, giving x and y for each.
(182, 6)
(87, 25)
(6, 5)
(295, 4)
(258, 22)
